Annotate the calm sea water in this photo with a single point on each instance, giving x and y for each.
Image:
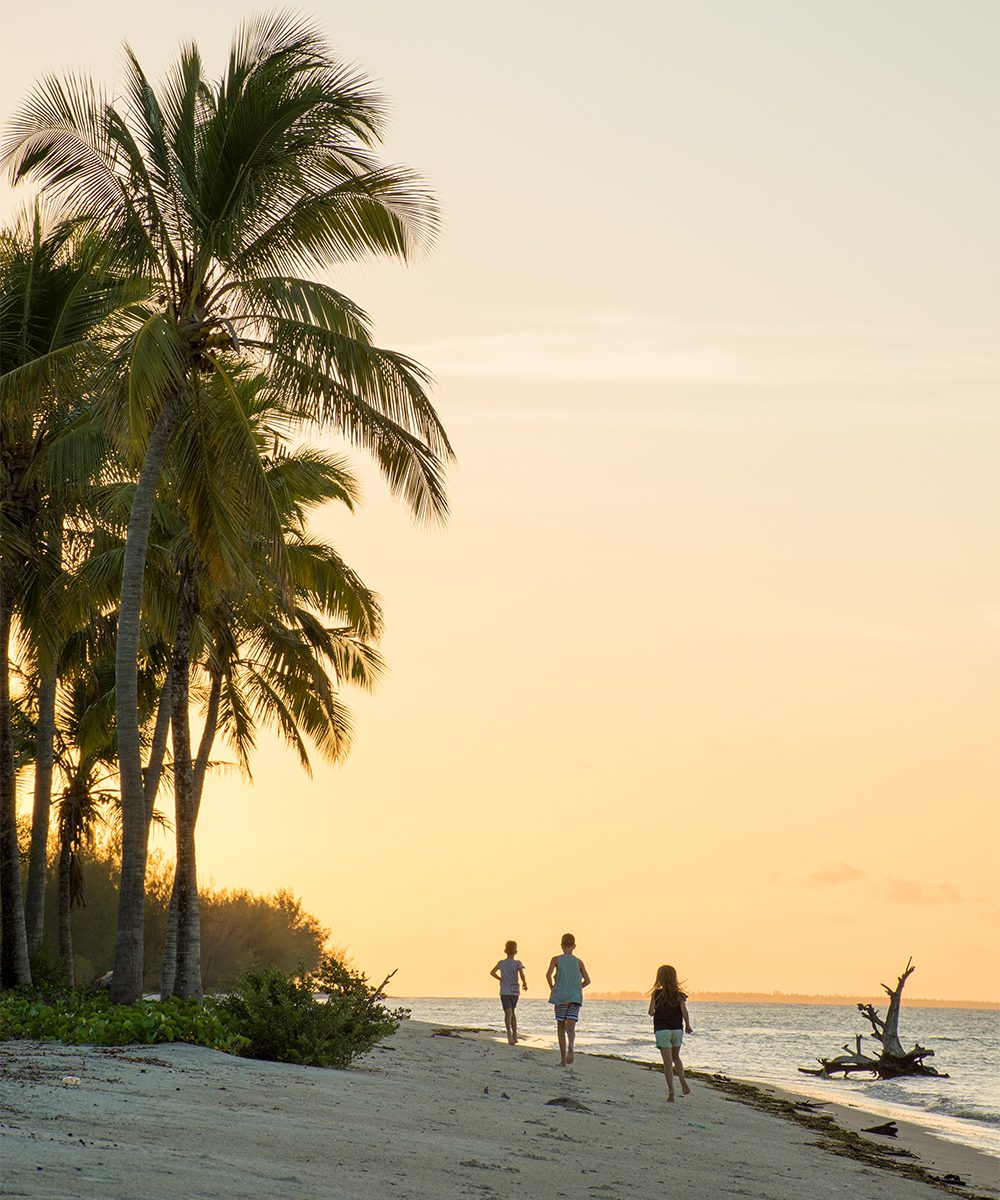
(768, 1042)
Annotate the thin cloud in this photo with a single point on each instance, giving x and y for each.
(991, 614)
(645, 348)
(960, 629)
(834, 876)
(915, 891)
(591, 350)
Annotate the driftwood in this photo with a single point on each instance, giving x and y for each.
(887, 1129)
(893, 1060)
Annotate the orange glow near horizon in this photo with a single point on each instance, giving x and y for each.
(705, 666)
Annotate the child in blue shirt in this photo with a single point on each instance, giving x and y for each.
(566, 977)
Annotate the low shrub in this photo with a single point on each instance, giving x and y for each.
(89, 1018)
(48, 971)
(325, 1018)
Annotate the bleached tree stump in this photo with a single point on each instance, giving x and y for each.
(893, 1060)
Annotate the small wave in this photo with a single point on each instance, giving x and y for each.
(960, 1108)
(964, 1112)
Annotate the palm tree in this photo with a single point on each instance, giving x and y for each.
(80, 807)
(61, 542)
(261, 668)
(265, 660)
(86, 759)
(51, 303)
(218, 193)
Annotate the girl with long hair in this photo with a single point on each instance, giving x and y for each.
(668, 1008)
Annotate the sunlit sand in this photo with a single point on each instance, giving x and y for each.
(425, 1116)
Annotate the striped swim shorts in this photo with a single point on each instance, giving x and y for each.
(568, 1012)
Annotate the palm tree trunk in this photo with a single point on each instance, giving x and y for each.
(34, 902)
(207, 739)
(151, 783)
(169, 974)
(153, 770)
(15, 970)
(66, 910)
(126, 979)
(187, 981)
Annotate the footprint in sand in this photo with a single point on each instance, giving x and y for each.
(569, 1103)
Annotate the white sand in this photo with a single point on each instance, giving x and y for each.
(424, 1116)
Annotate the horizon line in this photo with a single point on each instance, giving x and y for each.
(817, 998)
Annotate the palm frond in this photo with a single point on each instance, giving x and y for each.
(236, 724)
(156, 367)
(60, 136)
(302, 479)
(327, 584)
(224, 488)
(383, 211)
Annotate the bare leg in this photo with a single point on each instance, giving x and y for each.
(679, 1071)
(561, 1030)
(570, 1038)
(508, 1017)
(512, 1031)
(666, 1054)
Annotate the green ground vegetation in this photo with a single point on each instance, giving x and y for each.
(326, 1017)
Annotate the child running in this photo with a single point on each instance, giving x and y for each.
(507, 971)
(668, 1008)
(567, 977)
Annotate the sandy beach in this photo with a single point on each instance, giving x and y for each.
(426, 1115)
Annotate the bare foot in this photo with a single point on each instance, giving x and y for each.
(569, 1058)
(685, 1089)
(670, 1098)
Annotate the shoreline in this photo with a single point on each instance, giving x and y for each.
(914, 1144)
(978, 1135)
(937, 1153)
(857, 1113)
(431, 1113)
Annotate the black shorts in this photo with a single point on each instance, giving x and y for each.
(508, 1002)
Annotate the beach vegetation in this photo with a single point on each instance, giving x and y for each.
(89, 1018)
(240, 929)
(326, 1018)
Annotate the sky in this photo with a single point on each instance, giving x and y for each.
(704, 666)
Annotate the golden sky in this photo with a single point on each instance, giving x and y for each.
(705, 666)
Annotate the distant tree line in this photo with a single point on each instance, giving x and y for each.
(240, 931)
(166, 350)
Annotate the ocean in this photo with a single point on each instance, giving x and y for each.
(768, 1042)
